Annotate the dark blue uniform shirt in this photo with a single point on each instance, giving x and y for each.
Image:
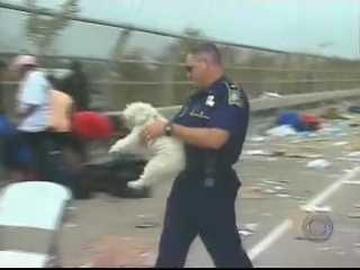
(224, 106)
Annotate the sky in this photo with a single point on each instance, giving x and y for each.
(325, 27)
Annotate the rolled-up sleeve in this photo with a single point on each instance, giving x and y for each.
(230, 118)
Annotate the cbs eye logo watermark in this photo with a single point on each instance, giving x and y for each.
(317, 227)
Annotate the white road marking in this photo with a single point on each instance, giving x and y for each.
(282, 228)
(272, 237)
(332, 188)
(352, 182)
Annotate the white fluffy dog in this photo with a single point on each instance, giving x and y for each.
(166, 157)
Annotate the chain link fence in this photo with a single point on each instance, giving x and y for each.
(125, 64)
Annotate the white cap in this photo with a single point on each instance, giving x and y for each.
(23, 60)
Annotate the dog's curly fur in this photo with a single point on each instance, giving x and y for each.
(166, 157)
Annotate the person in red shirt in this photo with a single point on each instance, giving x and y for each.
(89, 125)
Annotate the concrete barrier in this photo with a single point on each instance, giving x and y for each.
(264, 105)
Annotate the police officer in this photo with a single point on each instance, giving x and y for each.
(212, 125)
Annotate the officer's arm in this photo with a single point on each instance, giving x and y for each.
(210, 138)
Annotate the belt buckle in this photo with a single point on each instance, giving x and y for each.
(209, 182)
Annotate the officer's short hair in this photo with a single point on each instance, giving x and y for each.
(208, 49)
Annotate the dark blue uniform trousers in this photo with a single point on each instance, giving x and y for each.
(207, 214)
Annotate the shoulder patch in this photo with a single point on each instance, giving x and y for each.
(235, 96)
(210, 101)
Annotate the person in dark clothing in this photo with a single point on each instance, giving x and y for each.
(212, 124)
(76, 85)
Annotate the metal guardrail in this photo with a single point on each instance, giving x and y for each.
(149, 83)
(264, 104)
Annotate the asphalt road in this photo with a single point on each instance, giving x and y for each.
(111, 231)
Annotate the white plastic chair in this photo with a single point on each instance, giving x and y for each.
(17, 258)
(33, 204)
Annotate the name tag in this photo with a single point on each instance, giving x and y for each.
(199, 115)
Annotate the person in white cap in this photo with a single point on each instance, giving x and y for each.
(33, 97)
(34, 117)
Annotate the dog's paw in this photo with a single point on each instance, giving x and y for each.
(136, 185)
(113, 149)
(138, 192)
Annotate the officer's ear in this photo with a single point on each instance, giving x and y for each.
(203, 62)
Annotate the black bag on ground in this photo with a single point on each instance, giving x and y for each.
(110, 175)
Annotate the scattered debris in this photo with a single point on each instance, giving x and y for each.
(340, 252)
(146, 225)
(354, 154)
(333, 113)
(71, 225)
(354, 215)
(357, 205)
(279, 188)
(257, 153)
(270, 95)
(310, 122)
(352, 182)
(86, 265)
(245, 232)
(304, 155)
(284, 181)
(341, 143)
(281, 131)
(116, 251)
(257, 139)
(251, 226)
(269, 191)
(327, 248)
(248, 229)
(272, 159)
(282, 153)
(354, 109)
(316, 209)
(283, 195)
(253, 192)
(146, 222)
(318, 164)
(323, 209)
(348, 159)
(271, 182)
(299, 198)
(276, 188)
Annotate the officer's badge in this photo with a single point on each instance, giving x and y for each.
(234, 95)
(210, 101)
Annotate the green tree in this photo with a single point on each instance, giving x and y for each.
(175, 56)
(42, 30)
